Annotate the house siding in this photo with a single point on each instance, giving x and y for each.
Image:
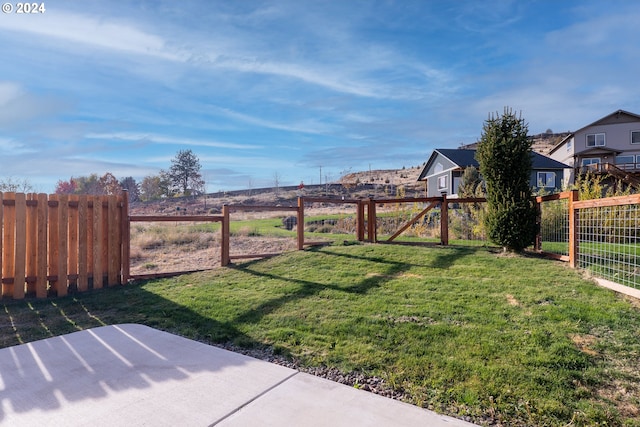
(433, 189)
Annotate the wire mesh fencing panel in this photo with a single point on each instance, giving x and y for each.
(554, 226)
(466, 223)
(166, 247)
(608, 243)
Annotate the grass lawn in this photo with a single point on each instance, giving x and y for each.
(505, 340)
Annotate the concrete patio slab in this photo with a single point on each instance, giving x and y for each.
(134, 375)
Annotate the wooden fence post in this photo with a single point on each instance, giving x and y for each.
(300, 223)
(573, 231)
(444, 221)
(537, 244)
(360, 220)
(225, 237)
(371, 222)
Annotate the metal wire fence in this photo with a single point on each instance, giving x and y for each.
(421, 221)
(554, 226)
(466, 224)
(608, 243)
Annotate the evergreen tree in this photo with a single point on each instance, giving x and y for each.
(470, 183)
(133, 188)
(505, 158)
(185, 172)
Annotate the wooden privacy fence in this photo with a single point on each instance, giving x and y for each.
(57, 243)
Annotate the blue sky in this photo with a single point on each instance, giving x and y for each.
(299, 88)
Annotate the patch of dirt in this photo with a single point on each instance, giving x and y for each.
(633, 301)
(584, 343)
(512, 300)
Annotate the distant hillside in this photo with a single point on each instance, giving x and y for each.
(541, 143)
(407, 177)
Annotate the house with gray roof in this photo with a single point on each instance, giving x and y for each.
(443, 171)
(609, 146)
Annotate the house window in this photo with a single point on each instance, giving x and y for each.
(623, 159)
(625, 162)
(595, 140)
(635, 137)
(569, 144)
(442, 182)
(590, 163)
(547, 179)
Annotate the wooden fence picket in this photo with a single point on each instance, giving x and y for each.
(113, 261)
(97, 243)
(43, 248)
(83, 247)
(73, 240)
(63, 248)
(19, 273)
(54, 244)
(32, 243)
(8, 252)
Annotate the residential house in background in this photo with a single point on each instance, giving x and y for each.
(443, 171)
(608, 146)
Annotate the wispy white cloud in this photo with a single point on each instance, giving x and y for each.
(311, 126)
(92, 31)
(162, 139)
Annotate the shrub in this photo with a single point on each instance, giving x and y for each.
(504, 155)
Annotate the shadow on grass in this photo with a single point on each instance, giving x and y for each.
(309, 288)
(99, 361)
(445, 258)
(28, 321)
